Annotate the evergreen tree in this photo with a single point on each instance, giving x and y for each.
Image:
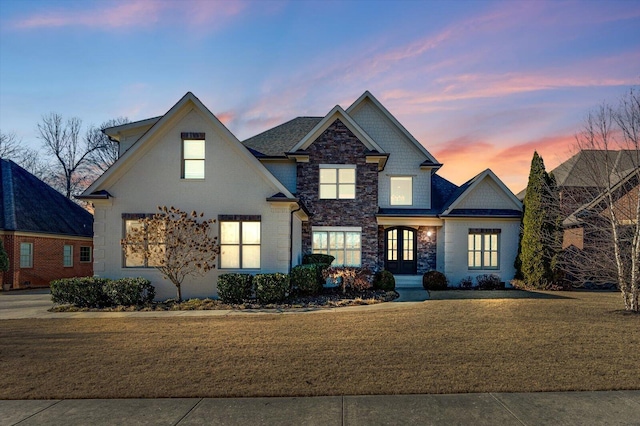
(533, 253)
(4, 259)
(552, 238)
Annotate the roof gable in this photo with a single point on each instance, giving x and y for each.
(337, 113)
(463, 199)
(128, 159)
(367, 97)
(28, 204)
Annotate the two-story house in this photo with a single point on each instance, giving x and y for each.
(354, 184)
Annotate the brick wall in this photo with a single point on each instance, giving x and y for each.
(338, 145)
(47, 261)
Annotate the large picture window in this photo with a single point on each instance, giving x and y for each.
(344, 245)
(484, 249)
(26, 255)
(240, 244)
(337, 181)
(401, 191)
(193, 158)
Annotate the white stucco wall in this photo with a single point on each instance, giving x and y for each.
(285, 172)
(231, 186)
(456, 232)
(404, 159)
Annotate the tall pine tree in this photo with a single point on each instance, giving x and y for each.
(539, 249)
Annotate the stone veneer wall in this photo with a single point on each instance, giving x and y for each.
(338, 145)
(427, 249)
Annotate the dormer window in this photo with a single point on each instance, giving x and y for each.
(193, 155)
(401, 191)
(337, 181)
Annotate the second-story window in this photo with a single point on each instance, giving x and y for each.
(193, 155)
(401, 191)
(337, 181)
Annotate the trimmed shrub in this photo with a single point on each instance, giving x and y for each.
(235, 288)
(271, 288)
(489, 282)
(129, 291)
(466, 283)
(85, 292)
(384, 280)
(317, 258)
(308, 278)
(434, 280)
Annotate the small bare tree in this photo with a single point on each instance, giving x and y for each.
(609, 224)
(9, 146)
(174, 242)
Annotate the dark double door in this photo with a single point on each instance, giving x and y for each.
(400, 250)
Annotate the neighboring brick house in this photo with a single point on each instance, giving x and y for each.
(46, 236)
(354, 184)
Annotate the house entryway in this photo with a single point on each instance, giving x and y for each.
(401, 250)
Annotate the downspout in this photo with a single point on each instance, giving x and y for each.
(291, 237)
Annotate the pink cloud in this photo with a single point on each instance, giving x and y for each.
(137, 13)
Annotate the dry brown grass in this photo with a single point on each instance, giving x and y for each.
(441, 346)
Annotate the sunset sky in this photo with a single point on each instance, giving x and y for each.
(481, 84)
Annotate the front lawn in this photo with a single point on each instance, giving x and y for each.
(579, 341)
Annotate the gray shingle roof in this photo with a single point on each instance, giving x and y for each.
(28, 204)
(280, 139)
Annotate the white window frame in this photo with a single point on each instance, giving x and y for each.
(479, 246)
(242, 247)
(90, 254)
(337, 185)
(202, 159)
(146, 263)
(26, 260)
(332, 231)
(393, 202)
(67, 256)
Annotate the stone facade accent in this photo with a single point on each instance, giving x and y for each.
(338, 145)
(427, 249)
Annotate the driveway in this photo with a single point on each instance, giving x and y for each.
(25, 304)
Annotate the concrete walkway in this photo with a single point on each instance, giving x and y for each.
(570, 408)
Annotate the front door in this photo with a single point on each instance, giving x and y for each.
(400, 248)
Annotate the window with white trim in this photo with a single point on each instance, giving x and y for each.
(401, 191)
(337, 181)
(26, 255)
(193, 154)
(344, 245)
(483, 249)
(240, 244)
(67, 256)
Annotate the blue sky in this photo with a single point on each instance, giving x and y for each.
(479, 83)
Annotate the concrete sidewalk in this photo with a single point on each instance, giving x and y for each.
(563, 408)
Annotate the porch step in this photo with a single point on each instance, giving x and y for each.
(408, 281)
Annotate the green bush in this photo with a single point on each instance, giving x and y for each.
(235, 288)
(434, 280)
(129, 292)
(489, 282)
(85, 292)
(317, 258)
(466, 283)
(308, 278)
(384, 280)
(271, 288)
